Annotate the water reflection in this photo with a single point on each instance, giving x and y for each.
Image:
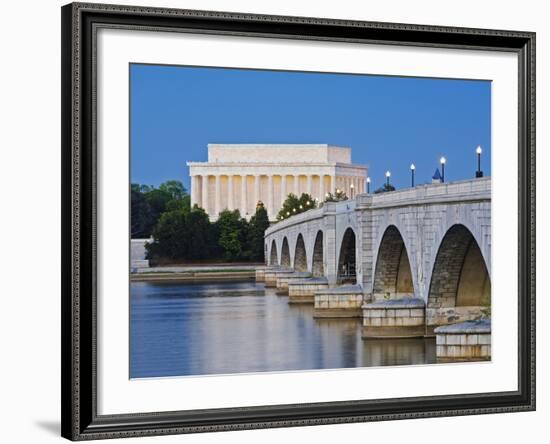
(216, 328)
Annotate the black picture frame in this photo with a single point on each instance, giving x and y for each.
(78, 333)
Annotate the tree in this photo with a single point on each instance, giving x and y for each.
(157, 200)
(140, 226)
(385, 188)
(149, 203)
(199, 242)
(233, 234)
(174, 188)
(338, 196)
(256, 229)
(170, 236)
(296, 205)
(181, 234)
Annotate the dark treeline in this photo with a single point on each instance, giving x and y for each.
(181, 233)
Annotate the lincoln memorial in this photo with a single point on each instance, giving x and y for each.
(239, 176)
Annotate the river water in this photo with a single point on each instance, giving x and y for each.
(179, 329)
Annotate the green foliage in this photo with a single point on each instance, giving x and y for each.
(140, 226)
(296, 205)
(174, 188)
(181, 233)
(338, 196)
(149, 203)
(233, 233)
(385, 188)
(256, 229)
(170, 236)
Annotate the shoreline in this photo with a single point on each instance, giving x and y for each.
(194, 276)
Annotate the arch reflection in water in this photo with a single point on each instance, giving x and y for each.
(219, 328)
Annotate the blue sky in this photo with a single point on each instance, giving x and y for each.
(388, 122)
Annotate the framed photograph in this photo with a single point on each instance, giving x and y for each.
(281, 221)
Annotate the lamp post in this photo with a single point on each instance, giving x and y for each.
(412, 174)
(388, 174)
(443, 161)
(368, 185)
(351, 187)
(479, 173)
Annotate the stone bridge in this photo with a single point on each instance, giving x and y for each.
(427, 247)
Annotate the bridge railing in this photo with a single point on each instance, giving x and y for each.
(298, 219)
(465, 190)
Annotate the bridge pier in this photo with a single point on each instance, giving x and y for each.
(394, 318)
(465, 341)
(270, 275)
(283, 280)
(338, 302)
(260, 274)
(302, 291)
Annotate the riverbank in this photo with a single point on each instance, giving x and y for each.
(201, 273)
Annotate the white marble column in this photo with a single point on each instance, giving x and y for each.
(217, 196)
(309, 188)
(256, 191)
(270, 196)
(244, 191)
(296, 185)
(321, 188)
(205, 192)
(332, 183)
(194, 190)
(283, 188)
(230, 192)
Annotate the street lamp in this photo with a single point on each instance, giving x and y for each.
(388, 174)
(443, 161)
(368, 185)
(479, 173)
(351, 190)
(412, 174)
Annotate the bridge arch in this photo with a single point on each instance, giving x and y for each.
(347, 259)
(285, 254)
(393, 277)
(459, 275)
(273, 257)
(317, 266)
(300, 256)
